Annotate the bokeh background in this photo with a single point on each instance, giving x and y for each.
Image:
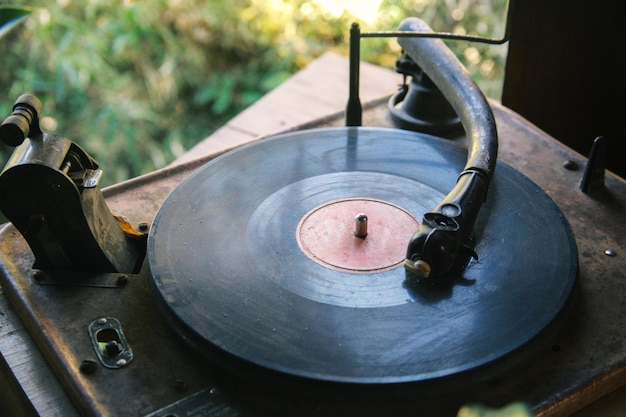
(137, 83)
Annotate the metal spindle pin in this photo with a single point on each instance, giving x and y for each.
(360, 226)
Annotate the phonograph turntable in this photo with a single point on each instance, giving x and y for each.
(328, 271)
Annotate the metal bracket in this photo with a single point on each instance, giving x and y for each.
(81, 279)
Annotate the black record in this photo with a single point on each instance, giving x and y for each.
(236, 269)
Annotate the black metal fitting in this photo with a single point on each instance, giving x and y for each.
(23, 122)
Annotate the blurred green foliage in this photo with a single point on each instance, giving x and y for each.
(137, 83)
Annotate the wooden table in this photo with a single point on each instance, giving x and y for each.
(315, 96)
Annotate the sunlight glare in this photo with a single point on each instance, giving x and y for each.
(367, 11)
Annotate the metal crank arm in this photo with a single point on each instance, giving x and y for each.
(443, 242)
(50, 191)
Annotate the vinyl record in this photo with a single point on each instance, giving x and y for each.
(255, 256)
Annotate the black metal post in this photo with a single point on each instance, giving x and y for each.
(354, 111)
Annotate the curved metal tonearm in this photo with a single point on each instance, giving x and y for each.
(443, 240)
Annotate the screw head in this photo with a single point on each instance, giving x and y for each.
(39, 276)
(88, 367)
(122, 280)
(570, 165)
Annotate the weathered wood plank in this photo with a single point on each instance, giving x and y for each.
(29, 368)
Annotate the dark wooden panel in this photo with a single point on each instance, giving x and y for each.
(566, 72)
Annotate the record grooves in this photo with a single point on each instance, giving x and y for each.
(228, 268)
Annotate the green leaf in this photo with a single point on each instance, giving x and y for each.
(11, 17)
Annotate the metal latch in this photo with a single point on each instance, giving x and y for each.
(109, 342)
